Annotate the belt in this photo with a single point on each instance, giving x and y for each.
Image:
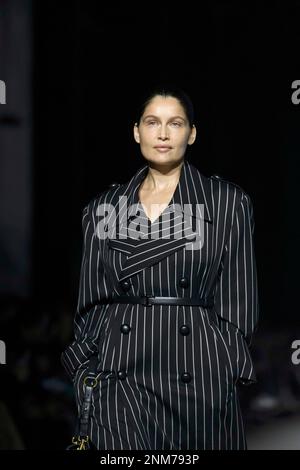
(149, 300)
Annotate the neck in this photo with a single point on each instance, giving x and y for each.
(162, 178)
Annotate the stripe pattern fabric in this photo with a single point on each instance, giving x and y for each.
(168, 375)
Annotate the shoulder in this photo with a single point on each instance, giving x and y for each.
(219, 180)
(104, 196)
(231, 187)
(231, 184)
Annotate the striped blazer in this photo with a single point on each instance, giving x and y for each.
(169, 374)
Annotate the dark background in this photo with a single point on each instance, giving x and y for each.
(90, 63)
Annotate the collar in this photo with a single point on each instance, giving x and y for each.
(192, 195)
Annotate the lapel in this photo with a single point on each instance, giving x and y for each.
(191, 202)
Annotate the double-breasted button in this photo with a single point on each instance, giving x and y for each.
(125, 328)
(125, 286)
(184, 330)
(122, 374)
(184, 282)
(186, 377)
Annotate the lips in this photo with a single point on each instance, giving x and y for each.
(163, 148)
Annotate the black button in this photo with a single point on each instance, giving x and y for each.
(186, 377)
(125, 286)
(184, 330)
(105, 228)
(122, 374)
(125, 328)
(184, 282)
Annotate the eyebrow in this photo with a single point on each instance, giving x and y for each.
(156, 117)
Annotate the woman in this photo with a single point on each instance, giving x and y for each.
(168, 297)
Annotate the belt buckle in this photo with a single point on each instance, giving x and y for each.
(146, 300)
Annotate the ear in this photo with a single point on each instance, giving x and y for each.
(136, 133)
(193, 135)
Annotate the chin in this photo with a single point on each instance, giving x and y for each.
(161, 160)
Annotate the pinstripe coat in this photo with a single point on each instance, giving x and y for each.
(168, 374)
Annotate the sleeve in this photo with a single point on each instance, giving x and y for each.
(90, 314)
(236, 298)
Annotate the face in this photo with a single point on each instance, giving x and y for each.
(164, 131)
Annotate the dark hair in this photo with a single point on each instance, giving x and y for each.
(165, 91)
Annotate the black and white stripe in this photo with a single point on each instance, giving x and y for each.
(142, 400)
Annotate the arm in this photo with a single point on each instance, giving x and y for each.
(236, 299)
(90, 314)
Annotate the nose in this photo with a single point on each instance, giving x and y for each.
(163, 132)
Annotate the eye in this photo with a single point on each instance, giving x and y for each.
(176, 124)
(151, 123)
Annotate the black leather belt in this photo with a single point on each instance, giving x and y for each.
(149, 300)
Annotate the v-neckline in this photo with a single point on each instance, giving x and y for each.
(159, 216)
(174, 194)
(162, 212)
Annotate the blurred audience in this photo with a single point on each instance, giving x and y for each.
(36, 394)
